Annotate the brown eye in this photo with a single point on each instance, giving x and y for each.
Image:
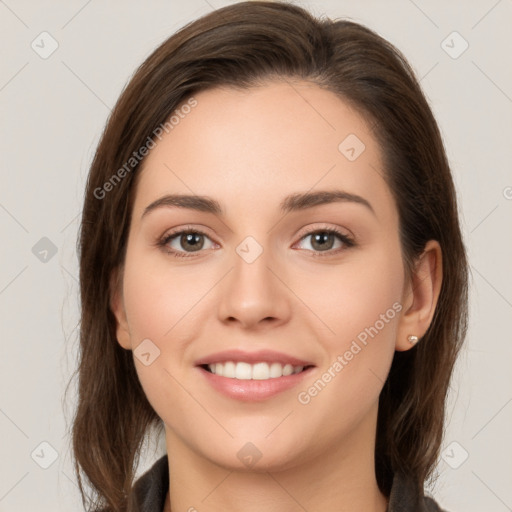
(192, 241)
(325, 240)
(185, 242)
(322, 241)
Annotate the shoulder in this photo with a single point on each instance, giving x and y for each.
(150, 489)
(405, 498)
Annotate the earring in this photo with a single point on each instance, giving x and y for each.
(412, 339)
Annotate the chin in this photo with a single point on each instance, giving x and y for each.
(255, 454)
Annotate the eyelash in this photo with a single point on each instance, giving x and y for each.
(347, 241)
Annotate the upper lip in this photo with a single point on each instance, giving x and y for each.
(260, 356)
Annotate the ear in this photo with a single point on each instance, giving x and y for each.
(420, 297)
(117, 307)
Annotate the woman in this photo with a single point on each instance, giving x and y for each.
(271, 272)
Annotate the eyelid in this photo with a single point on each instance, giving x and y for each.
(347, 239)
(185, 228)
(308, 230)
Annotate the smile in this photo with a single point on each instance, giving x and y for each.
(253, 376)
(258, 371)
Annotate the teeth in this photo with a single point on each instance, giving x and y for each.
(258, 371)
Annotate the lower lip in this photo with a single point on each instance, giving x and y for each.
(253, 390)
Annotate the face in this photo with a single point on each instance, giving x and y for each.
(256, 290)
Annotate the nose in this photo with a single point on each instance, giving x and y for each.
(254, 293)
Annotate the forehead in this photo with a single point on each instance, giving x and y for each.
(254, 146)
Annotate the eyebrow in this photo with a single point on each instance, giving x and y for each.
(292, 203)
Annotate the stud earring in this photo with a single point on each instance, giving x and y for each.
(412, 339)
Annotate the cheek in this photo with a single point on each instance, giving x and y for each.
(166, 308)
(160, 311)
(159, 301)
(360, 307)
(363, 293)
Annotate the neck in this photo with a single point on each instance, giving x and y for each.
(335, 480)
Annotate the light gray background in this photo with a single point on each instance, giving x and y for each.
(53, 111)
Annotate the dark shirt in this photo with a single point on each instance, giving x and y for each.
(150, 491)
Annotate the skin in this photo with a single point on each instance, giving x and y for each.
(248, 150)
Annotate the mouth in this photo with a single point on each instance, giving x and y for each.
(253, 376)
(259, 371)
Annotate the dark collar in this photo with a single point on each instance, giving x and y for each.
(404, 497)
(150, 491)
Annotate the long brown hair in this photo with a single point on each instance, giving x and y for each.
(239, 46)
